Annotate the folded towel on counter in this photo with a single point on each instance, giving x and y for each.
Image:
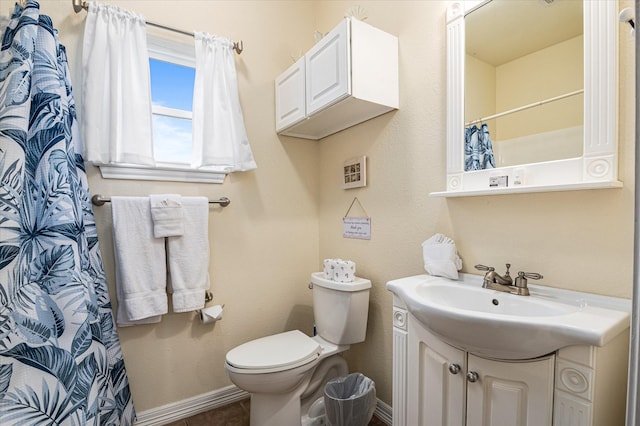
(441, 257)
(188, 257)
(166, 212)
(140, 263)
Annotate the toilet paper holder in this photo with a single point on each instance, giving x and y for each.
(210, 314)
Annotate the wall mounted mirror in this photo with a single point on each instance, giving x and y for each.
(532, 93)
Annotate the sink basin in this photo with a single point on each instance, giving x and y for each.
(478, 299)
(500, 325)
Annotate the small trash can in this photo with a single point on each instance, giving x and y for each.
(350, 400)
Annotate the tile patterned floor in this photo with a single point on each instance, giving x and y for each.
(232, 415)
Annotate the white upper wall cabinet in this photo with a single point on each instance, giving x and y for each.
(348, 77)
(328, 69)
(290, 96)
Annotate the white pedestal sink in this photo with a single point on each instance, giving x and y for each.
(499, 325)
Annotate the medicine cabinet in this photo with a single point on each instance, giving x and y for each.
(594, 163)
(349, 76)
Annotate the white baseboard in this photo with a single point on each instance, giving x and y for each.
(191, 406)
(211, 400)
(384, 412)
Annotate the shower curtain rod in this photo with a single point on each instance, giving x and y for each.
(99, 200)
(522, 108)
(79, 5)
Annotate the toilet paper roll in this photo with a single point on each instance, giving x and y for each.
(211, 314)
(326, 268)
(345, 271)
(339, 270)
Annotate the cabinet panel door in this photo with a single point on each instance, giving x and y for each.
(290, 96)
(510, 393)
(435, 394)
(328, 69)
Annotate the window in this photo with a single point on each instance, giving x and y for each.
(171, 96)
(172, 69)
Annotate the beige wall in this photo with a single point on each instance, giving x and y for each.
(286, 216)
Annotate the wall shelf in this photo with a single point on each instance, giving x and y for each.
(521, 189)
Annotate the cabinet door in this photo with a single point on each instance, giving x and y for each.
(435, 393)
(328, 69)
(510, 393)
(290, 96)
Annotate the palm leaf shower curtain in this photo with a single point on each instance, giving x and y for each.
(60, 357)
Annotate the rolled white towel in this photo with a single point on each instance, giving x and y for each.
(441, 257)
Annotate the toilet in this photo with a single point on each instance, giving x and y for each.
(286, 373)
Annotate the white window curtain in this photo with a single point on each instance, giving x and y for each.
(116, 91)
(220, 140)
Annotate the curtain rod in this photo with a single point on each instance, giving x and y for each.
(79, 5)
(99, 200)
(522, 108)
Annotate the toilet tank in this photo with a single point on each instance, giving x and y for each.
(340, 309)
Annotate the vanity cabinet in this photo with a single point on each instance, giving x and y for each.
(436, 384)
(349, 76)
(451, 387)
(509, 392)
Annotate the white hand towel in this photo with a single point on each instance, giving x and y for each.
(189, 257)
(166, 212)
(140, 263)
(441, 257)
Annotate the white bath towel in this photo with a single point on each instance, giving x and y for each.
(188, 257)
(166, 212)
(140, 263)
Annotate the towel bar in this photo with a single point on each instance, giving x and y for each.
(99, 200)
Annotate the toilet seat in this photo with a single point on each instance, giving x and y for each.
(279, 352)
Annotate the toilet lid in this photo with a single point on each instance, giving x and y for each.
(284, 350)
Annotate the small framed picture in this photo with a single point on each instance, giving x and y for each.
(354, 173)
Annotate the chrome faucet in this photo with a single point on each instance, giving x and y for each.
(493, 281)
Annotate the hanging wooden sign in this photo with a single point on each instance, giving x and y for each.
(356, 227)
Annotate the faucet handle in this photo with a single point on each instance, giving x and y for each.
(530, 275)
(521, 279)
(484, 268)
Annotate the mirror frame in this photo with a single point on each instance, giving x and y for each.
(598, 165)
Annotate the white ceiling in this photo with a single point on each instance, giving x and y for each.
(503, 30)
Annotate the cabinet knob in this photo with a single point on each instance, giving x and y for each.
(472, 376)
(454, 368)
